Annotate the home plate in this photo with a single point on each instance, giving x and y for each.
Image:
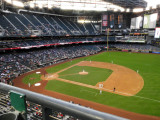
(37, 84)
(38, 72)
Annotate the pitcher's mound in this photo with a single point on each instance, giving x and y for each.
(83, 73)
(49, 76)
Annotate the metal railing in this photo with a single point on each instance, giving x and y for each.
(50, 104)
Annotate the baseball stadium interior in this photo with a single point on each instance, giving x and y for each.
(38, 33)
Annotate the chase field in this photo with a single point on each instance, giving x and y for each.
(128, 81)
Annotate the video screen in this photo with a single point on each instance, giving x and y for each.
(136, 23)
(150, 20)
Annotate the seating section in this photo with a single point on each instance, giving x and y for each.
(137, 47)
(15, 63)
(27, 43)
(5, 104)
(11, 67)
(16, 25)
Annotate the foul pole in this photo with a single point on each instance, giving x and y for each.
(107, 38)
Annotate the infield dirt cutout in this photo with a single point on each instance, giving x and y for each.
(123, 80)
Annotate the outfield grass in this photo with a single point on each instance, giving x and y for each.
(147, 101)
(94, 76)
(32, 78)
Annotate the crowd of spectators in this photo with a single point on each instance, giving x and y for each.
(130, 38)
(10, 67)
(18, 62)
(155, 43)
(5, 105)
(137, 47)
(27, 43)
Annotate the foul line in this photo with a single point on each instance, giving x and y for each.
(107, 90)
(130, 95)
(89, 92)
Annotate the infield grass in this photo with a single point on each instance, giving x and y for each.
(94, 76)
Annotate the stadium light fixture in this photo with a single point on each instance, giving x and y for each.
(102, 9)
(8, 1)
(32, 5)
(115, 10)
(122, 9)
(127, 10)
(147, 8)
(137, 10)
(84, 21)
(49, 6)
(15, 3)
(40, 6)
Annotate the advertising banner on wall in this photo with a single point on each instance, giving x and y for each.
(120, 21)
(105, 17)
(104, 22)
(112, 21)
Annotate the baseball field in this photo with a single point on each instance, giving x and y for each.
(127, 81)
